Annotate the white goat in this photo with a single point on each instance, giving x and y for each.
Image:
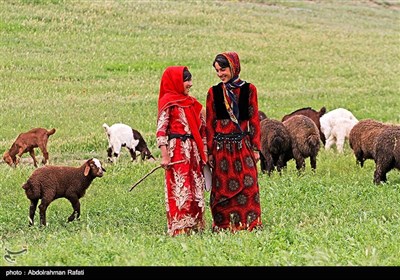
(120, 135)
(336, 126)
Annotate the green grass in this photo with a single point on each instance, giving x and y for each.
(75, 65)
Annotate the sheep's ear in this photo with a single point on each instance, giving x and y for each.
(87, 169)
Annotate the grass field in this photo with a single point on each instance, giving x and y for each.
(74, 65)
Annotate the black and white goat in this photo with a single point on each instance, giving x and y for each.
(122, 135)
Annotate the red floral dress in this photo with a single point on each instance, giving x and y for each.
(184, 182)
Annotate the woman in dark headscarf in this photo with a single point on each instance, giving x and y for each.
(233, 144)
(182, 140)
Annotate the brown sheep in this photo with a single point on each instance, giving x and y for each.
(305, 140)
(362, 137)
(26, 142)
(312, 114)
(51, 182)
(386, 153)
(275, 145)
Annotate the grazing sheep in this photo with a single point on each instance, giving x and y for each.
(305, 140)
(362, 137)
(122, 135)
(261, 115)
(341, 121)
(26, 142)
(312, 114)
(387, 153)
(275, 145)
(51, 182)
(329, 119)
(339, 133)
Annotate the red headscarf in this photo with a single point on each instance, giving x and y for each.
(234, 62)
(172, 94)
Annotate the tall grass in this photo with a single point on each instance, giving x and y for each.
(74, 65)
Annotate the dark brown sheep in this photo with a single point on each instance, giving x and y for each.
(305, 140)
(275, 145)
(312, 114)
(26, 142)
(386, 153)
(51, 182)
(362, 137)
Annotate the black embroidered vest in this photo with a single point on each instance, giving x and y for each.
(219, 104)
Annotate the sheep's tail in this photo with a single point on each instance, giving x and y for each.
(51, 131)
(313, 142)
(30, 191)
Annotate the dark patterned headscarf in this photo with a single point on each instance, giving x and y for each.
(234, 63)
(234, 82)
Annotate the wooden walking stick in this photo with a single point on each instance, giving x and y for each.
(151, 171)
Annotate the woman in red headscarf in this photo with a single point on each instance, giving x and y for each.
(182, 140)
(233, 144)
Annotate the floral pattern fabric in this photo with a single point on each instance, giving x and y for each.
(184, 182)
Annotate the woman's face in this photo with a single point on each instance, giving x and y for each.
(224, 74)
(186, 86)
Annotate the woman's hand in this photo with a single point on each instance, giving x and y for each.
(165, 159)
(256, 156)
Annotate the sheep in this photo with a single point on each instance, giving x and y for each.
(313, 115)
(25, 143)
(305, 139)
(387, 153)
(122, 135)
(340, 121)
(339, 133)
(362, 137)
(51, 182)
(275, 145)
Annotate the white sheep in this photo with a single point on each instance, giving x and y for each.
(340, 133)
(336, 126)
